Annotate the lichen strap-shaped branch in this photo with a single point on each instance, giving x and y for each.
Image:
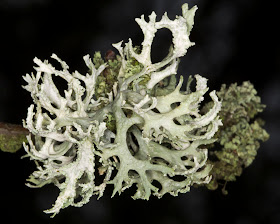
(180, 28)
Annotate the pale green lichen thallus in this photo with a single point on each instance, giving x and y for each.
(127, 118)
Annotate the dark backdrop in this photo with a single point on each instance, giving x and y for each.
(236, 40)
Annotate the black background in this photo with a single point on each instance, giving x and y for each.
(236, 40)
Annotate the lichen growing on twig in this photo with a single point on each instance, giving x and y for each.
(129, 119)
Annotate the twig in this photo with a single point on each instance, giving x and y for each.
(12, 136)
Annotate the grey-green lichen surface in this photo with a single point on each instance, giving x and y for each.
(130, 126)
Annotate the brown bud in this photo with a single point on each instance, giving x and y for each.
(110, 55)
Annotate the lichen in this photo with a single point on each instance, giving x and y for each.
(130, 120)
(11, 143)
(239, 138)
(107, 78)
(119, 119)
